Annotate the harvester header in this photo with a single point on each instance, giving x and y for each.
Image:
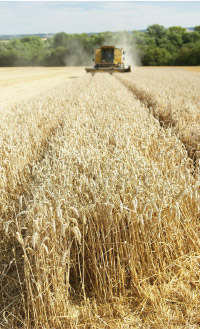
(108, 59)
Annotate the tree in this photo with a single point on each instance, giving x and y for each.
(197, 28)
(8, 58)
(189, 55)
(156, 31)
(156, 57)
(32, 42)
(61, 40)
(138, 38)
(156, 46)
(175, 35)
(191, 37)
(56, 57)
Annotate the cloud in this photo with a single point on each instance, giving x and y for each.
(78, 17)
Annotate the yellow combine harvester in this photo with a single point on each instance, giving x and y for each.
(108, 59)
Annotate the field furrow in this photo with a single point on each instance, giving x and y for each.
(105, 208)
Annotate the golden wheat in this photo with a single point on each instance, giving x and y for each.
(99, 212)
(172, 95)
(18, 84)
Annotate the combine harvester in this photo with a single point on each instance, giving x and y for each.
(108, 59)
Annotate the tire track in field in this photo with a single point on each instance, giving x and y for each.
(165, 119)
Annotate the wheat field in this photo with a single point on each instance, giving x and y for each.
(100, 200)
(18, 84)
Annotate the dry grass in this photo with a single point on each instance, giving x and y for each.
(99, 214)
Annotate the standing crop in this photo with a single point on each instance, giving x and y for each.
(99, 214)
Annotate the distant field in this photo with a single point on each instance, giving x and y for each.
(20, 83)
(100, 199)
(193, 68)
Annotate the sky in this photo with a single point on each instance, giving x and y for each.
(31, 17)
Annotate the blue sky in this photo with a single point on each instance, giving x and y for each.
(24, 17)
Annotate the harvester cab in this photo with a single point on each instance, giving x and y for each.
(108, 59)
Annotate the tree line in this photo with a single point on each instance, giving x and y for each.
(156, 46)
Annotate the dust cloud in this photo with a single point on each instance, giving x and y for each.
(78, 55)
(125, 41)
